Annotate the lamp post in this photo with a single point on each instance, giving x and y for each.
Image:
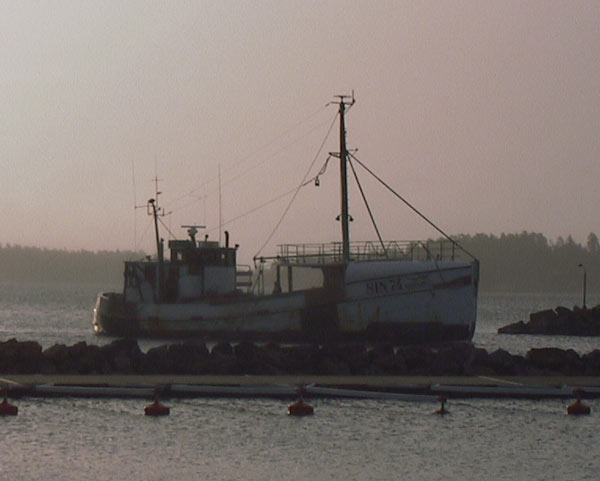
(584, 283)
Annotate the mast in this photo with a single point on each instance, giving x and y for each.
(344, 217)
(156, 210)
(159, 250)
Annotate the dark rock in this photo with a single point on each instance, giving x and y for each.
(300, 359)
(479, 363)
(274, 356)
(505, 364)
(355, 356)
(223, 359)
(516, 328)
(560, 321)
(452, 360)
(328, 360)
(76, 359)
(57, 356)
(383, 360)
(190, 357)
(549, 359)
(591, 363)
(542, 316)
(224, 364)
(417, 360)
(121, 356)
(157, 361)
(259, 360)
(89, 360)
(222, 348)
(21, 357)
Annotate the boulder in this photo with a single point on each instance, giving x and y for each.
(300, 359)
(254, 360)
(516, 328)
(122, 356)
(384, 361)
(552, 359)
(223, 359)
(479, 363)
(157, 361)
(190, 357)
(21, 357)
(560, 321)
(355, 356)
(418, 360)
(327, 360)
(591, 363)
(452, 360)
(505, 364)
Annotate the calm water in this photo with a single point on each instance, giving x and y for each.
(228, 439)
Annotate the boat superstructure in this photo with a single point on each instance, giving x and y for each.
(395, 292)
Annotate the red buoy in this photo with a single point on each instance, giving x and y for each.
(156, 409)
(300, 408)
(578, 408)
(8, 409)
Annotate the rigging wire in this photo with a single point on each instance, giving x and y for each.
(166, 227)
(282, 149)
(302, 184)
(275, 199)
(251, 211)
(253, 153)
(414, 209)
(368, 207)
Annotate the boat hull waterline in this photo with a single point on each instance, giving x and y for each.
(437, 303)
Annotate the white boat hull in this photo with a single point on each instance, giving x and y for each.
(397, 302)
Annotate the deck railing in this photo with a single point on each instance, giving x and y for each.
(331, 253)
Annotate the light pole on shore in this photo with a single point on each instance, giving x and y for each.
(584, 283)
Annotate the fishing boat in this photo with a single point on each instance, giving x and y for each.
(385, 291)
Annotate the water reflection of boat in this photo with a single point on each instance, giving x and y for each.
(396, 292)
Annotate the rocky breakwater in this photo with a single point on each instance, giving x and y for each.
(560, 321)
(194, 358)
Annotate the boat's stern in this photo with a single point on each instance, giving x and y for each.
(113, 317)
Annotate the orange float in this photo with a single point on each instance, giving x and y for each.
(300, 408)
(156, 409)
(8, 409)
(578, 408)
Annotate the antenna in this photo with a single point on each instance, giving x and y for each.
(156, 180)
(220, 207)
(192, 231)
(160, 211)
(135, 206)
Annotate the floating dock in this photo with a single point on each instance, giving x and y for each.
(408, 388)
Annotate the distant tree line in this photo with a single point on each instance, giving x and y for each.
(525, 262)
(19, 263)
(529, 262)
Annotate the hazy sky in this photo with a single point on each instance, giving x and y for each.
(485, 115)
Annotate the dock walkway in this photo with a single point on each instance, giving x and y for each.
(425, 388)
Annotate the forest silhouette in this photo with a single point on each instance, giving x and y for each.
(529, 262)
(524, 262)
(34, 264)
